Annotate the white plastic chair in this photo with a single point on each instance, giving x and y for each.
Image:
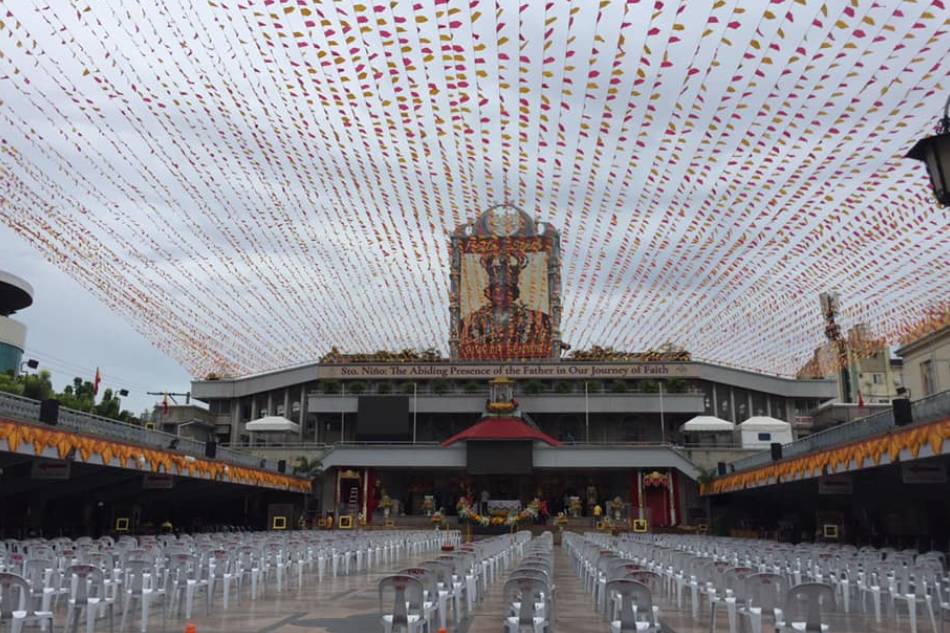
(87, 593)
(140, 585)
(636, 607)
(407, 614)
(528, 593)
(764, 594)
(15, 604)
(219, 574)
(804, 605)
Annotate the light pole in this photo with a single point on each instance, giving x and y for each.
(342, 411)
(934, 152)
(31, 363)
(586, 415)
(662, 421)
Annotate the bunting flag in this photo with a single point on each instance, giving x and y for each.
(251, 182)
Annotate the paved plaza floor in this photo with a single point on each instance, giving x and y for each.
(350, 604)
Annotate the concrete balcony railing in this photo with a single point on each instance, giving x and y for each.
(929, 409)
(26, 410)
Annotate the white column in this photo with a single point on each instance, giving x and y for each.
(287, 403)
(669, 481)
(662, 419)
(235, 420)
(302, 412)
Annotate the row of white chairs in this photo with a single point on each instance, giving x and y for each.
(711, 571)
(420, 596)
(134, 574)
(529, 593)
(622, 591)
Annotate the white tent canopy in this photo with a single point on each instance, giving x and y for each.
(764, 423)
(707, 423)
(273, 423)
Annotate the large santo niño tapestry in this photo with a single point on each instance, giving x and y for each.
(505, 288)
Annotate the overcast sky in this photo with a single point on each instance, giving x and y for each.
(71, 333)
(248, 187)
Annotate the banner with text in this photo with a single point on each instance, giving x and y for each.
(567, 371)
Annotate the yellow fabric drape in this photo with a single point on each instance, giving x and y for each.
(16, 434)
(839, 458)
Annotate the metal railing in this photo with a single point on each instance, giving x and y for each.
(924, 410)
(575, 388)
(27, 410)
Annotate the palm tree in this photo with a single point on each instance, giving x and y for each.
(307, 467)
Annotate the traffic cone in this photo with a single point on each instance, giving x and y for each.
(442, 629)
(191, 628)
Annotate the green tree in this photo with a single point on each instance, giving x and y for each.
(11, 383)
(37, 386)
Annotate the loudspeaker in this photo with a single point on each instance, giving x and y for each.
(282, 466)
(211, 449)
(776, 451)
(721, 468)
(902, 412)
(49, 411)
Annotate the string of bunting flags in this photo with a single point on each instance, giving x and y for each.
(250, 182)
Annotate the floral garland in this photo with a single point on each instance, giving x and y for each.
(468, 515)
(527, 515)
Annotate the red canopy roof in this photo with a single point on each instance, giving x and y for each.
(501, 429)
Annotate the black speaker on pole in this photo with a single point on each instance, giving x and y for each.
(902, 412)
(282, 466)
(49, 411)
(776, 451)
(211, 449)
(721, 468)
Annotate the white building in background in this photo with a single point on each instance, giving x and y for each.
(926, 368)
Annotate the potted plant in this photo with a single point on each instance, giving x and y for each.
(471, 386)
(649, 386)
(440, 386)
(384, 388)
(618, 386)
(563, 386)
(533, 387)
(329, 386)
(356, 387)
(676, 385)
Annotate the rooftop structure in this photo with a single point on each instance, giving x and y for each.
(15, 294)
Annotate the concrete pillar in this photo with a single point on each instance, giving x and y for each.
(287, 403)
(235, 419)
(302, 410)
(732, 405)
(270, 403)
(254, 415)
